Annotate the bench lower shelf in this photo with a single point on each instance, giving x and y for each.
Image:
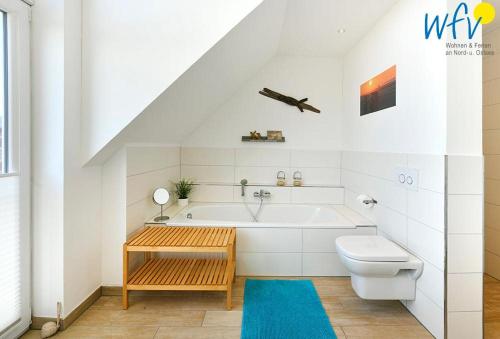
(181, 275)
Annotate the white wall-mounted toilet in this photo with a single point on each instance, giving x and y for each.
(379, 268)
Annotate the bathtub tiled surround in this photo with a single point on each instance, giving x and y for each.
(465, 246)
(412, 218)
(218, 170)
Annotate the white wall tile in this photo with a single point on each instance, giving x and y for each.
(207, 156)
(465, 253)
(311, 158)
(428, 313)
(465, 325)
(212, 193)
(426, 243)
(317, 195)
(385, 192)
(260, 175)
(269, 264)
(141, 186)
(323, 240)
(465, 174)
(262, 157)
(431, 283)
(465, 214)
(322, 264)
(269, 240)
(427, 207)
(145, 159)
(465, 292)
(380, 165)
(431, 170)
(318, 176)
(279, 195)
(208, 174)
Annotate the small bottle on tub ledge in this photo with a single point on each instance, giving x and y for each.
(297, 178)
(281, 178)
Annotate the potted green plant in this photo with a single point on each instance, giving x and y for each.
(182, 189)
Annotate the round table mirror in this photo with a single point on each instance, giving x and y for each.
(161, 197)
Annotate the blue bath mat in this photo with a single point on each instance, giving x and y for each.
(284, 309)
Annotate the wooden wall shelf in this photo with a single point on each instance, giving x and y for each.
(246, 138)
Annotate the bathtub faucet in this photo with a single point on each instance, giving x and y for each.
(262, 194)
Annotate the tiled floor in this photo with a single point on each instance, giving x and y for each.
(185, 315)
(491, 308)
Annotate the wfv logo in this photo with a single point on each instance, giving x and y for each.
(484, 13)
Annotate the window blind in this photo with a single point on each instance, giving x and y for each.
(10, 254)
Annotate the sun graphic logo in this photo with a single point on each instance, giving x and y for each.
(483, 14)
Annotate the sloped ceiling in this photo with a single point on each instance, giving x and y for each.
(208, 83)
(275, 27)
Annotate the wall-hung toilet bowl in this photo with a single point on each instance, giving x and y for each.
(379, 268)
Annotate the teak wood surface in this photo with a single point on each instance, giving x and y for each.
(181, 274)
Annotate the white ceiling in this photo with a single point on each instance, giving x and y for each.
(293, 27)
(310, 27)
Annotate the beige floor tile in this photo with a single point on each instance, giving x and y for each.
(103, 332)
(368, 317)
(198, 333)
(386, 332)
(223, 318)
(31, 334)
(160, 318)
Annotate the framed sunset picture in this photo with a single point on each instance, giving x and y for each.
(379, 92)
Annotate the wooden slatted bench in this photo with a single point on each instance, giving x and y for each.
(181, 274)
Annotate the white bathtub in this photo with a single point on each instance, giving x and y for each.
(271, 215)
(288, 240)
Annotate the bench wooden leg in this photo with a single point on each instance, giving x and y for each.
(229, 296)
(125, 278)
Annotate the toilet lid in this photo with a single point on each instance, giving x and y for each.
(370, 248)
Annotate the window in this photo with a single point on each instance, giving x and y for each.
(15, 166)
(4, 95)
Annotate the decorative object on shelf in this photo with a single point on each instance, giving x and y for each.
(247, 138)
(378, 93)
(161, 197)
(300, 104)
(274, 135)
(281, 178)
(255, 135)
(183, 188)
(297, 178)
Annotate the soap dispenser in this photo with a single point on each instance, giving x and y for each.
(281, 178)
(297, 178)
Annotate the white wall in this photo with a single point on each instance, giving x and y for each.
(412, 218)
(218, 172)
(132, 53)
(114, 217)
(47, 55)
(417, 124)
(66, 198)
(82, 186)
(129, 179)
(318, 79)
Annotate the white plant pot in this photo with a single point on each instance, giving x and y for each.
(183, 202)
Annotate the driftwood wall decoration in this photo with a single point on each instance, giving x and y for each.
(300, 104)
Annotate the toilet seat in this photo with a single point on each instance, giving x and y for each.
(371, 248)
